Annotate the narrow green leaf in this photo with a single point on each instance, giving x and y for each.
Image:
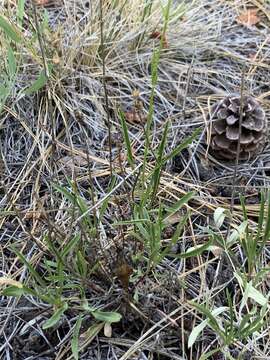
(109, 317)
(13, 291)
(175, 236)
(4, 91)
(209, 353)
(10, 29)
(254, 294)
(210, 319)
(17, 291)
(179, 11)
(20, 11)
(245, 321)
(261, 217)
(131, 222)
(81, 264)
(12, 68)
(179, 204)
(166, 15)
(106, 201)
(163, 141)
(243, 205)
(37, 84)
(70, 245)
(126, 138)
(267, 225)
(195, 250)
(179, 228)
(183, 145)
(55, 317)
(75, 338)
(55, 251)
(81, 203)
(157, 172)
(29, 267)
(67, 194)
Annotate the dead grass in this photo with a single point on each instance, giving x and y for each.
(58, 136)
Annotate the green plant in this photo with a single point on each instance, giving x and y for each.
(238, 321)
(63, 268)
(11, 37)
(229, 325)
(253, 241)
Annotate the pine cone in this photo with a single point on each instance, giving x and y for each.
(224, 128)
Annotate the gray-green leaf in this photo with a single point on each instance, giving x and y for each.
(110, 317)
(10, 29)
(55, 317)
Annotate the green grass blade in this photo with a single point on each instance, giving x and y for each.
(38, 84)
(17, 291)
(67, 194)
(197, 250)
(267, 225)
(175, 236)
(158, 168)
(183, 145)
(20, 11)
(210, 353)
(126, 138)
(261, 217)
(75, 338)
(179, 204)
(106, 201)
(10, 29)
(154, 77)
(53, 320)
(12, 67)
(70, 245)
(210, 321)
(30, 267)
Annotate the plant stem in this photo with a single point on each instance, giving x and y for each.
(102, 46)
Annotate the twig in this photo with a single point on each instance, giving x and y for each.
(238, 150)
(108, 122)
(189, 76)
(223, 258)
(40, 40)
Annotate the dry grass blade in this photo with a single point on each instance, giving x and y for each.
(82, 188)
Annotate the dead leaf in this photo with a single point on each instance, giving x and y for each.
(42, 2)
(134, 117)
(8, 281)
(34, 215)
(56, 59)
(74, 163)
(249, 17)
(123, 272)
(88, 336)
(173, 219)
(155, 35)
(217, 251)
(158, 35)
